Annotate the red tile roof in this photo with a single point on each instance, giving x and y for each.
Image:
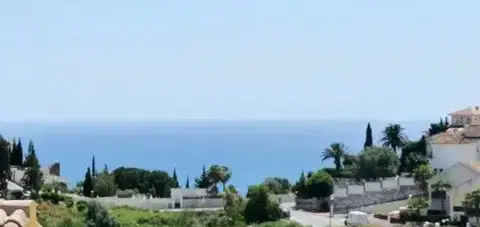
(467, 111)
(449, 137)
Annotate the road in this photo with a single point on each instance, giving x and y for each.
(323, 219)
(313, 219)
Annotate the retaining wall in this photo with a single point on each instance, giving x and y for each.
(349, 194)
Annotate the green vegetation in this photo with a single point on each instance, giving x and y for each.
(277, 185)
(33, 178)
(373, 162)
(235, 214)
(4, 165)
(368, 137)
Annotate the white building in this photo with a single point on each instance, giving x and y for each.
(456, 156)
(467, 116)
(460, 143)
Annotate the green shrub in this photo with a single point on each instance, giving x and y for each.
(259, 207)
(82, 202)
(53, 197)
(68, 201)
(81, 207)
(97, 216)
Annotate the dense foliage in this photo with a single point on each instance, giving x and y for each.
(277, 185)
(156, 182)
(4, 165)
(33, 178)
(315, 185)
(234, 214)
(260, 208)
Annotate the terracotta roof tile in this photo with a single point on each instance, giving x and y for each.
(472, 131)
(449, 137)
(467, 111)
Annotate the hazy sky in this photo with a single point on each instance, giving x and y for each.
(246, 59)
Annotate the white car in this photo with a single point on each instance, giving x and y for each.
(356, 218)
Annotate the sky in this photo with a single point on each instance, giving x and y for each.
(115, 60)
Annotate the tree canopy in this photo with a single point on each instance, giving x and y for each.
(377, 162)
(393, 136)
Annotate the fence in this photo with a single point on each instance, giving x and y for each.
(349, 194)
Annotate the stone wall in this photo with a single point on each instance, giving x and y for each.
(155, 203)
(358, 194)
(309, 204)
(350, 194)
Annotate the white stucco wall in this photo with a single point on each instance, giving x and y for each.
(447, 155)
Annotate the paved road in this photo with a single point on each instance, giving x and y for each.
(313, 219)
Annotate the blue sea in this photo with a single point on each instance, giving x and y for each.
(253, 150)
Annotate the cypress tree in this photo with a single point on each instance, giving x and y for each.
(5, 173)
(175, 178)
(13, 153)
(32, 180)
(203, 181)
(87, 184)
(19, 153)
(368, 137)
(187, 185)
(94, 171)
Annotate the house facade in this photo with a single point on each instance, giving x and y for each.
(467, 116)
(455, 156)
(460, 143)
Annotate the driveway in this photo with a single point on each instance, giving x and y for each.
(313, 219)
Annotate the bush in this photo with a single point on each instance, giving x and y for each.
(320, 185)
(68, 201)
(81, 207)
(53, 197)
(259, 207)
(97, 215)
(82, 202)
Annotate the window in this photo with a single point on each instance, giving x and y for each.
(469, 120)
(441, 170)
(435, 170)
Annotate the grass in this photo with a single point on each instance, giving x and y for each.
(50, 215)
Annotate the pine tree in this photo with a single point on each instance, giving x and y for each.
(175, 178)
(187, 185)
(300, 186)
(5, 173)
(19, 152)
(87, 184)
(203, 181)
(32, 180)
(368, 137)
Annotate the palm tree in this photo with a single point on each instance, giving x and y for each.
(472, 203)
(441, 186)
(335, 151)
(226, 175)
(394, 137)
(219, 174)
